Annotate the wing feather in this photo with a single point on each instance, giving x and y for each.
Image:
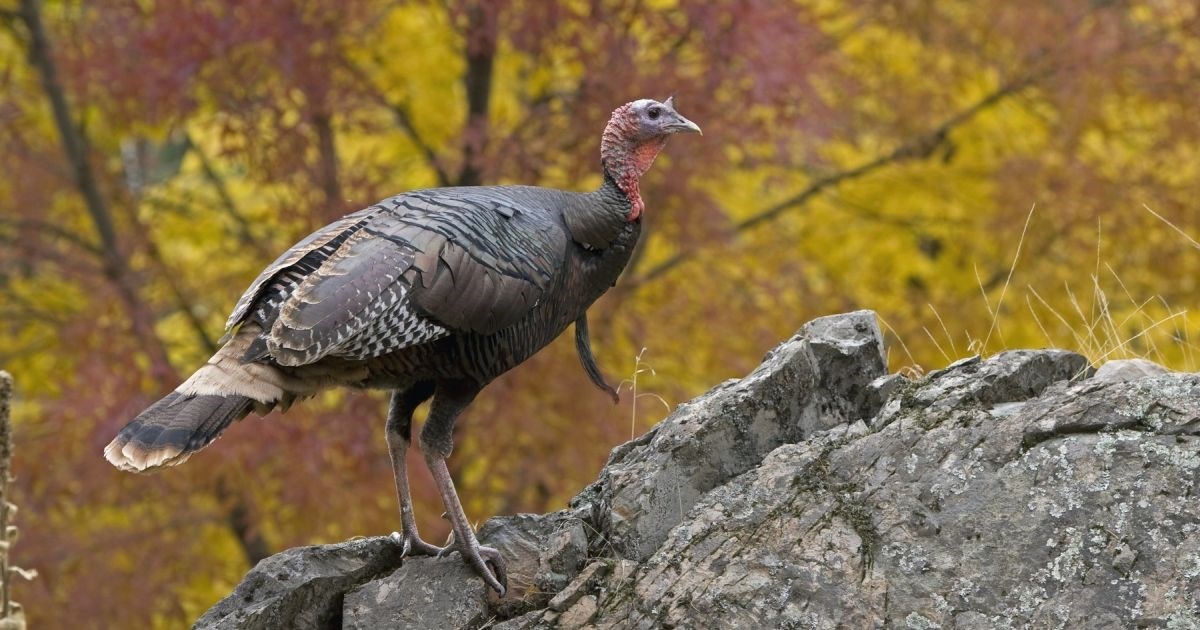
(312, 243)
(412, 269)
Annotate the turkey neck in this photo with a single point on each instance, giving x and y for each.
(597, 219)
(605, 235)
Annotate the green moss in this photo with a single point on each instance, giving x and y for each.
(857, 514)
(849, 504)
(929, 421)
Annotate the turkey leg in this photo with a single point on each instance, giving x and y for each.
(436, 443)
(399, 436)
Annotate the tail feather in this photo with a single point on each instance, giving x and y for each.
(221, 392)
(170, 430)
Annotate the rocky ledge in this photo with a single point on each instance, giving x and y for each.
(1022, 490)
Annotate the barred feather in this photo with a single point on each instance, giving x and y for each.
(170, 430)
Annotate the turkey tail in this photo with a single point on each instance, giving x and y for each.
(168, 432)
(191, 417)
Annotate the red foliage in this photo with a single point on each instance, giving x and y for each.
(279, 79)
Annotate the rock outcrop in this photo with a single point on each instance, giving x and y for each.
(821, 492)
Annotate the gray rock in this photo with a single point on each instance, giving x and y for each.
(1128, 370)
(882, 389)
(756, 554)
(578, 615)
(586, 580)
(535, 620)
(814, 381)
(1001, 383)
(1010, 376)
(1074, 509)
(424, 593)
(544, 553)
(302, 587)
(357, 584)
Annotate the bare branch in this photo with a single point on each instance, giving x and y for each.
(244, 232)
(537, 106)
(404, 119)
(327, 165)
(18, 308)
(918, 148)
(480, 52)
(239, 518)
(55, 231)
(74, 144)
(181, 299)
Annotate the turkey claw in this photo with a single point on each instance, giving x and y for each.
(486, 561)
(414, 546)
(490, 566)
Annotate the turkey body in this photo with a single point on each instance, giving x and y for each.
(576, 274)
(447, 285)
(431, 294)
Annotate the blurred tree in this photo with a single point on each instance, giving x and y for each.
(858, 153)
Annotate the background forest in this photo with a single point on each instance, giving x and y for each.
(985, 175)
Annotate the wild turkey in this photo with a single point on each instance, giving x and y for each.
(432, 293)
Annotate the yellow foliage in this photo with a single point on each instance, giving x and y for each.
(986, 176)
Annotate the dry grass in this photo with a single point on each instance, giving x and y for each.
(631, 384)
(1114, 324)
(1103, 321)
(995, 313)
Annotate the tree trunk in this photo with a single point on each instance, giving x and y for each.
(481, 36)
(116, 268)
(327, 167)
(74, 145)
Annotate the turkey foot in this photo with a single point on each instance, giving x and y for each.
(399, 427)
(490, 566)
(412, 545)
(486, 561)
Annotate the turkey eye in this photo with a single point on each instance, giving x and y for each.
(654, 113)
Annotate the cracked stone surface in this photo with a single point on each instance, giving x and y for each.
(1128, 370)
(302, 587)
(424, 593)
(1072, 509)
(544, 553)
(818, 492)
(818, 379)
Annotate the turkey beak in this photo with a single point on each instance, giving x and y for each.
(683, 125)
(679, 124)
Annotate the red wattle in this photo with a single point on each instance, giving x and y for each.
(627, 158)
